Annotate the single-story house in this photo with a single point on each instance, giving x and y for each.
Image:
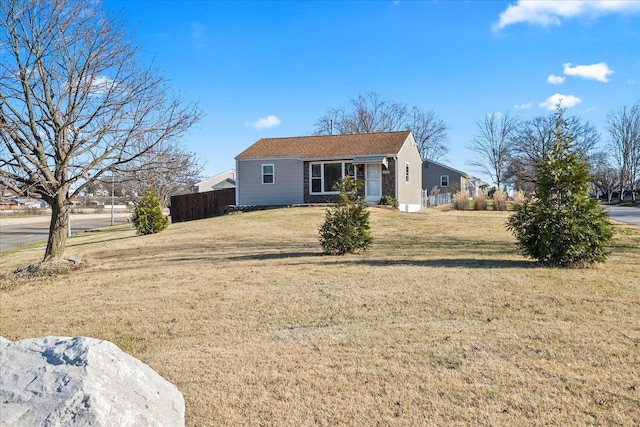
(449, 180)
(301, 170)
(226, 179)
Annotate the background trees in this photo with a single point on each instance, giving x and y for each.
(624, 145)
(74, 104)
(367, 113)
(492, 145)
(536, 138)
(167, 169)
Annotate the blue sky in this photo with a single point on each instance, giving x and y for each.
(271, 69)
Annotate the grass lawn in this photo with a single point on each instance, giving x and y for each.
(442, 322)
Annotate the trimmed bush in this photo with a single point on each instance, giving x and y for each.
(500, 200)
(562, 226)
(480, 202)
(147, 216)
(461, 201)
(346, 227)
(389, 201)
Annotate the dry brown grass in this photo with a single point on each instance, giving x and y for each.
(480, 201)
(500, 200)
(438, 324)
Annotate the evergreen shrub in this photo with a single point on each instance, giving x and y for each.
(562, 225)
(389, 201)
(346, 228)
(147, 216)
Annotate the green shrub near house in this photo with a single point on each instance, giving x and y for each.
(389, 201)
(346, 228)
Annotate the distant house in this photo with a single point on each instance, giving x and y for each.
(449, 180)
(226, 179)
(300, 170)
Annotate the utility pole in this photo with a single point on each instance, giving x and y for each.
(113, 186)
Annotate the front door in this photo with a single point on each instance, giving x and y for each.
(373, 183)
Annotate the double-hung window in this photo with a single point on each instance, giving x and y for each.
(444, 180)
(268, 174)
(406, 172)
(325, 175)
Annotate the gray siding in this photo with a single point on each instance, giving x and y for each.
(287, 188)
(431, 173)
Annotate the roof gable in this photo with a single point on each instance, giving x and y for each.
(425, 163)
(329, 146)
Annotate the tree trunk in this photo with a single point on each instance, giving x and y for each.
(58, 228)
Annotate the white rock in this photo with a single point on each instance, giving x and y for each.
(60, 381)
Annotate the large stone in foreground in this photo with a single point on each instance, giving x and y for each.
(60, 381)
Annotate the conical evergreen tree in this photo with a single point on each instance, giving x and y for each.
(147, 216)
(346, 228)
(562, 225)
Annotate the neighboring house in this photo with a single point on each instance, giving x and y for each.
(226, 179)
(300, 170)
(449, 180)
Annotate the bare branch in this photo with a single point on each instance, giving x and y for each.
(75, 103)
(367, 113)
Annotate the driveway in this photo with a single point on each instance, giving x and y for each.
(624, 214)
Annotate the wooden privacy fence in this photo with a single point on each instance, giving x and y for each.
(189, 207)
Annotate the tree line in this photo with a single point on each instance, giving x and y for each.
(507, 149)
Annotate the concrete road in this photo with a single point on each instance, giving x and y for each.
(624, 214)
(15, 232)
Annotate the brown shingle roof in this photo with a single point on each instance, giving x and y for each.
(330, 146)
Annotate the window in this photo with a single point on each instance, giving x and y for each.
(332, 174)
(406, 172)
(349, 170)
(267, 174)
(444, 180)
(324, 176)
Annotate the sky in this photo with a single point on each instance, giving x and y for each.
(262, 69)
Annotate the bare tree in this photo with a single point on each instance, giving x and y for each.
(604, 176)
(168, 169)
(492, 145)
(624, 142)
(535, 138)
(74, 104)
(367, 113)
(430, 133)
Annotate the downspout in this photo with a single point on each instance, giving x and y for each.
(395, 160)
(237, 184)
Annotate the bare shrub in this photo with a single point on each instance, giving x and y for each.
(519, 198)
(500, 201)
(480, 201)
(461, 201)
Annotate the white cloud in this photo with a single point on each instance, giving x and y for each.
(547, 13)
(523, 106)
(598, 71)
(198, 31)
(265, 122)
(555, 80)
(565, 101)
(495, 115)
